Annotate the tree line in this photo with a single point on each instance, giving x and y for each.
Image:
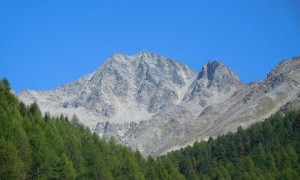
(267, 150)
(39, 146)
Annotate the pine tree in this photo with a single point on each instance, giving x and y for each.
(5, 84)
(11, 166)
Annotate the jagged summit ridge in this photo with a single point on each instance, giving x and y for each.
(125, 88)
(155, 104)
(285, 66)
(214, 72)
(214, 83)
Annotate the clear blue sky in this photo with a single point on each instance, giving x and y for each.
(44, 44)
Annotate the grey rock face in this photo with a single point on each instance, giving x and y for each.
(155, 104)
(123, 89)
(214, 83)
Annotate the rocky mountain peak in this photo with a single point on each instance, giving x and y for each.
(216, 73)
(116, 58)
(286, 71)
(125, 88)
(214, 83)
(208, 70)
(285, 67)
(145, 54)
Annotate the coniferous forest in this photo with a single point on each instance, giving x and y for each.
(39, 146)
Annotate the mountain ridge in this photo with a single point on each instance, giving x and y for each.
(155, 104)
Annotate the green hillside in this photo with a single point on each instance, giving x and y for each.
(267, 150)
(39, 146)
(36, 146)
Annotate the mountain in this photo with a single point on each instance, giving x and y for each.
(156, 104)
(33, 146)
(123, 89)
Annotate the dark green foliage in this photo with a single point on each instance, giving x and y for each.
(5, 84)
(267, 150)
(33, 146)
(11, 165)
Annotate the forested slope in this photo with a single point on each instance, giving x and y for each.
(267, 150)
(33, 146)
(36, 146)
